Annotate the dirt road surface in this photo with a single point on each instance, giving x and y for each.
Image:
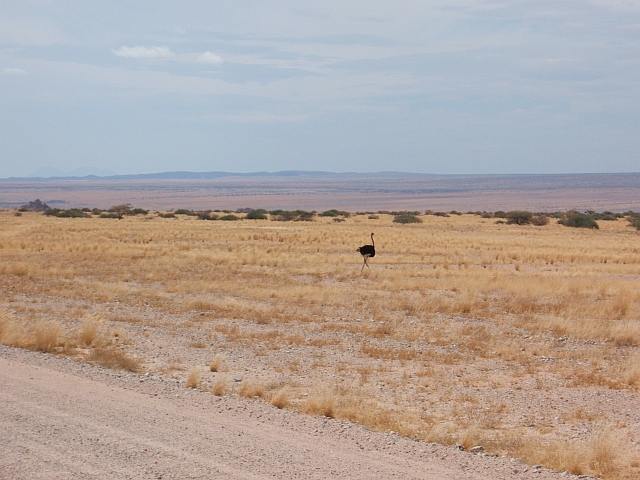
(62, 419)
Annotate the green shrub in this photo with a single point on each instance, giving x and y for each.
(305, 216)
(518, 217)
(184, 211)
(288, 215)
(230, 217)
(207, 215)
(579, 220)
(167, 215)
(71, 213)
(109, 215)
(138, 211)
(258, 214)
(441, 214)
(500, 214)
(334, 213)
(407, 217)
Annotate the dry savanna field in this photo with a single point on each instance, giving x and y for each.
(522, 339)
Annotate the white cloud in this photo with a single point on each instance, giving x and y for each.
(14, 71)
(143, 52)
(208, 57)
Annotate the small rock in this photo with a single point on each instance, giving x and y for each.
(37, 206)
(237, 378)
(477, 449)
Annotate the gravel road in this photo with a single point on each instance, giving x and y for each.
(62, 419)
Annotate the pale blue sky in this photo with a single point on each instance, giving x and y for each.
(437, 87)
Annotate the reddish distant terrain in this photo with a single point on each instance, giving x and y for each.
(319, 191)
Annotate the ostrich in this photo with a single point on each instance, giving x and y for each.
(367, 251)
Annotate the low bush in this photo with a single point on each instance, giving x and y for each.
(207, 215)
(289, 215)
(126, 209)
(109, 215)
(634, 221)
(138, 211)
(407, 217)
(334, 213)
(258, 214)
(71, 213)
(579, 220)
(540, 220)
(518, 217)
(184, 211)
(230, 217)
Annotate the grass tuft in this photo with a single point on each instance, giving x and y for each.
(114, 359)
(193, 378)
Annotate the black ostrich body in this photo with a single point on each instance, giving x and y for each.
(367, 251)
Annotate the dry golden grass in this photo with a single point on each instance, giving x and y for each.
(217, 363)
(114, 359)
(220, 386)
(193, 378)
(89, 330)
(251, 388)
(454, 313)
(280, 399)
(39, 335)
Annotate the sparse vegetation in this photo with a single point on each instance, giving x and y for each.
(281, 398)
(71, 213)
(230, 217)
(217, 363)
(258, 214)
(579, 220)
(289, 215)
(407, 217)
(463, 325)
(193, 379)
(114, 359)
(518, 217)
(220, 386)
(184, 211)
(334, 213)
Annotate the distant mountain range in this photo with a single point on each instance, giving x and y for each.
(183, 175)
(576, 180)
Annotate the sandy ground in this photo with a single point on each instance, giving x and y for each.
(63, 419)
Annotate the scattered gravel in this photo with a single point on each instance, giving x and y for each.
(63, 419)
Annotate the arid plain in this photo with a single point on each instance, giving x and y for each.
(521, 339)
